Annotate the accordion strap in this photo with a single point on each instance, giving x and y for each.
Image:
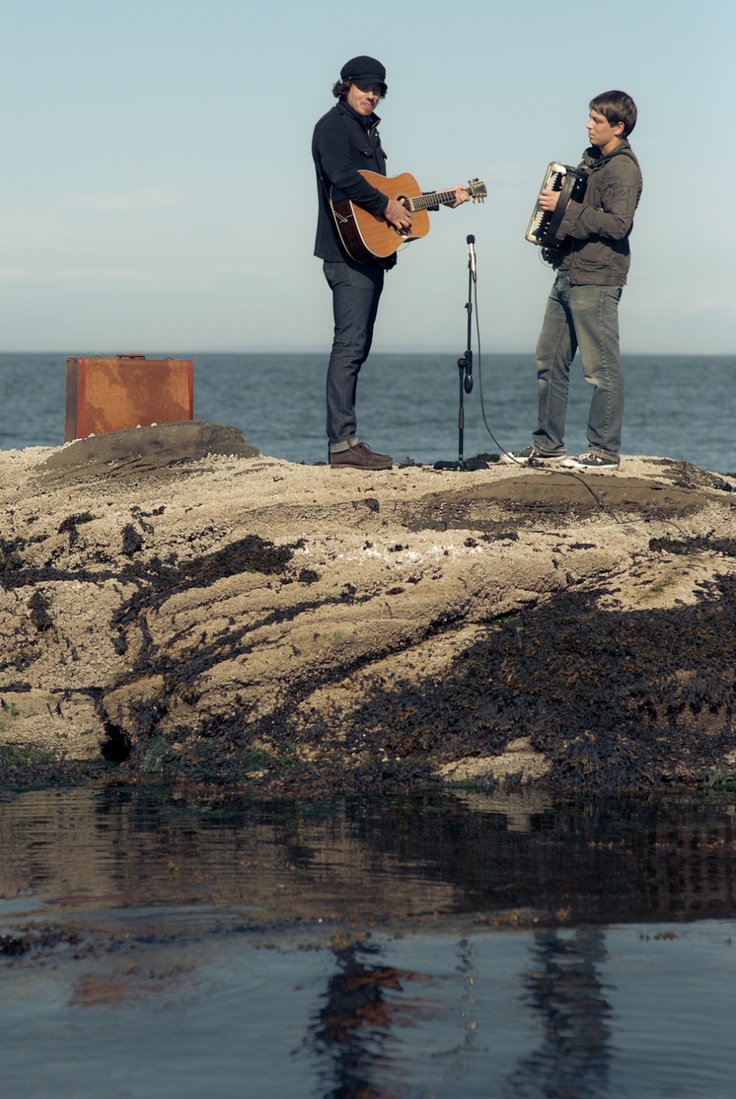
(571, 179)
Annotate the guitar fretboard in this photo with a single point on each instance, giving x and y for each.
(423, 202)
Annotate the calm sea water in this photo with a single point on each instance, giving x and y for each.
(677, 406)
(444, 946)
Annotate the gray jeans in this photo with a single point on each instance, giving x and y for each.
(584, 317)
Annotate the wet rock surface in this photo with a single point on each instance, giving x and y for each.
(175, 606)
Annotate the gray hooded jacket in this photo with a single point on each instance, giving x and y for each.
(598, 228)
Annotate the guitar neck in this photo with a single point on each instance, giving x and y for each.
(436, 198)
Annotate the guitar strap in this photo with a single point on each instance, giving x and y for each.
(327, 189)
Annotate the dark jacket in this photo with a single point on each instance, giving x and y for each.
(343, 143)
(599, 227)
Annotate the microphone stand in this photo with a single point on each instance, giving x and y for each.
(465, 375)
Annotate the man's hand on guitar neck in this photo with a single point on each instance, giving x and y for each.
(396, 214)
(461, 195)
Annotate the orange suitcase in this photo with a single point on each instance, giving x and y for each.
(127, 391)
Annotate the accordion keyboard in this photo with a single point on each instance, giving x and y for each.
(571, 183)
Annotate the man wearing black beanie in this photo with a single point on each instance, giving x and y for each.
(345, 141)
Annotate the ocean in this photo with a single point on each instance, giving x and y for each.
(446, 946)
(677, 406)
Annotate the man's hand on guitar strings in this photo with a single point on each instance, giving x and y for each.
(396, 214)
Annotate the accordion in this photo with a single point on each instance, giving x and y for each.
(571, 183)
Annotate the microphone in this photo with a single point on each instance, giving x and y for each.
(471, 250)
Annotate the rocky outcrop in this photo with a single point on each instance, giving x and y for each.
(174, 604)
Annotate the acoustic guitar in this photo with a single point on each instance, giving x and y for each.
(366, 237)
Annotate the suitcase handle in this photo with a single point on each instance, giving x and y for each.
(131, 356)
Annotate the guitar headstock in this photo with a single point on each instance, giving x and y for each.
(477, 190)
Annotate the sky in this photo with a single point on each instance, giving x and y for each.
(157, 193)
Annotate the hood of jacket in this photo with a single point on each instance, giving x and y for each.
(594, 159)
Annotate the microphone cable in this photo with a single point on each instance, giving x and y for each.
(538, 466)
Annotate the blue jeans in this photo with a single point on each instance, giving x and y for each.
(584, 317)
(356, 292)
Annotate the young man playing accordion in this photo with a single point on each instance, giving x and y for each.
(591, 257)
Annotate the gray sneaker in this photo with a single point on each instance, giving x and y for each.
(530, 454)
(590, 462)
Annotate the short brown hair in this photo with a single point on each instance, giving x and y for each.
(342, 87)
(616, 107)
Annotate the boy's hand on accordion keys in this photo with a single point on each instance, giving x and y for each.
(548, 199)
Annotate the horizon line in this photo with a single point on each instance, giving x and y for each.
(169, 354)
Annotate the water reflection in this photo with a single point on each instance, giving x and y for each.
(525, 860)
(564, 988)
(355, 1025)
(357, 949)
(368, 1005)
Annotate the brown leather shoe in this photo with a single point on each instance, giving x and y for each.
(360, 456)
